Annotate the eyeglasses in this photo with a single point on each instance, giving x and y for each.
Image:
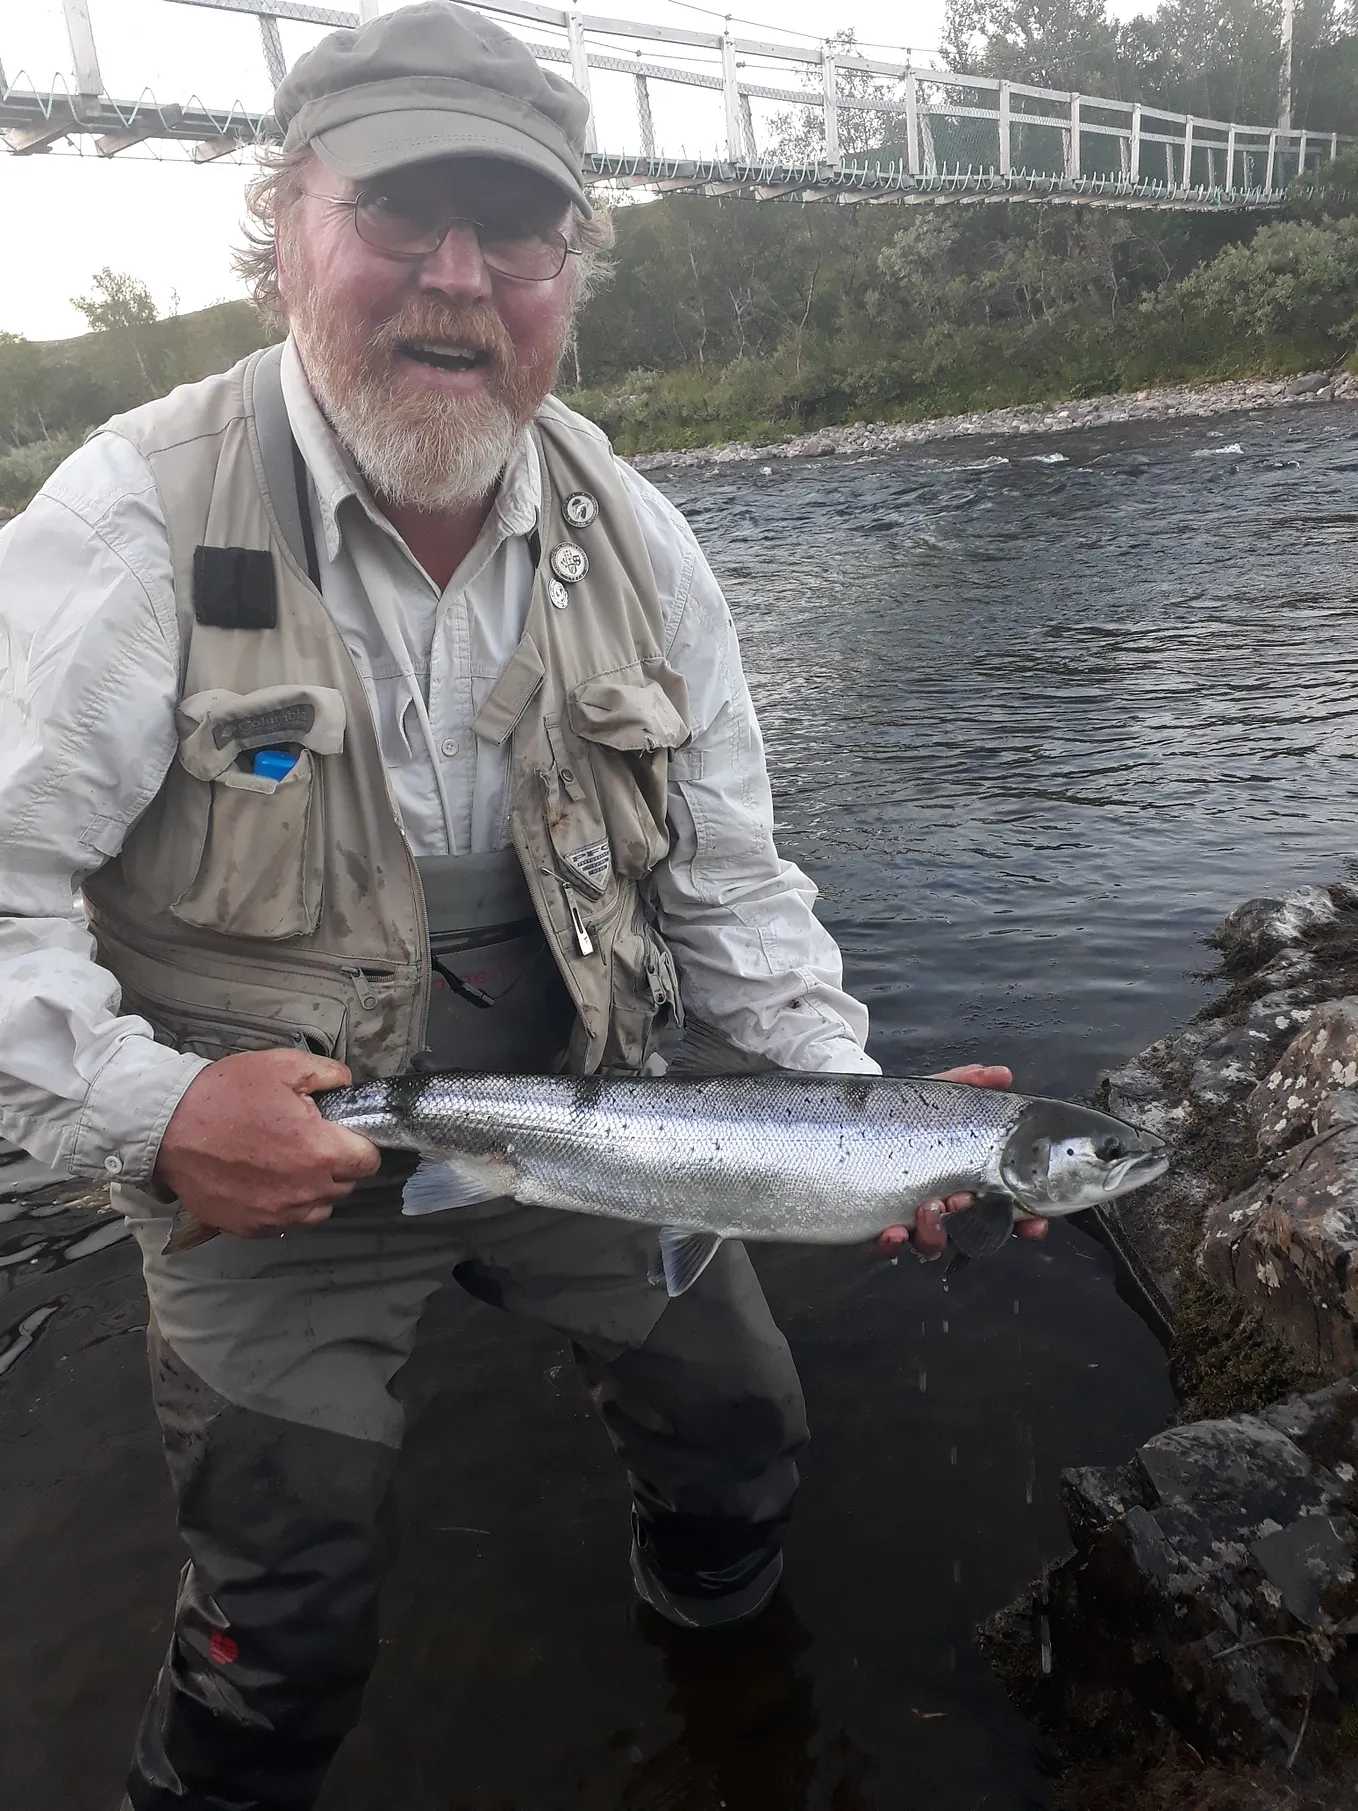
(401, 231)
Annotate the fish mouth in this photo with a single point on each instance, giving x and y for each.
(1137, 1170)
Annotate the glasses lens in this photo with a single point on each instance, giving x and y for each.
(535, 257)
(390, 227)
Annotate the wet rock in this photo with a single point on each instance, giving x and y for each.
(1322, 1059)
(1229, 1067)
(1287, 1248)
(1138, 1093)
(1260, 927)
(1214, 1576)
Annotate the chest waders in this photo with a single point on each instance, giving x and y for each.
(497, 1002)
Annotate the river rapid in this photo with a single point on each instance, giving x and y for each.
(1037, 714)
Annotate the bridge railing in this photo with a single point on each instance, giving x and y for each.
(671, 99)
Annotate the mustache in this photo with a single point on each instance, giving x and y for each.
(475, 325)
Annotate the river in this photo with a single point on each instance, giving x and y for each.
(1037, 714)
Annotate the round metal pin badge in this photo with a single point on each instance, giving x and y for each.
(569, 562)
(580, 509)
(558, 593)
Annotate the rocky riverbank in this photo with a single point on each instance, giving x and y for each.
(1168, 404)
(1200, 1646)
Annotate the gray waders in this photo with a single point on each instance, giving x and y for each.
(271, 1361)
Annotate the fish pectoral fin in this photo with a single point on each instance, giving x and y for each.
(983, 1228)
(703, 1050)
(436, 1187)
(684, 1256)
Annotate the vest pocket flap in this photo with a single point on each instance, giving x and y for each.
(633, 717)
(216, 727)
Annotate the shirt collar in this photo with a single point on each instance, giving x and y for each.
(336, 477)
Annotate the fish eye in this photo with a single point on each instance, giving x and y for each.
(1110, 1148)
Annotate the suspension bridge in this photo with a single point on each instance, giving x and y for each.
(946, 135)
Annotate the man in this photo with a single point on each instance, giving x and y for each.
(384, 720)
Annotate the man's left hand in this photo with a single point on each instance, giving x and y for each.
(929, 1240)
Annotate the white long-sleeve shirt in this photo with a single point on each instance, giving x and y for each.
(89, 662)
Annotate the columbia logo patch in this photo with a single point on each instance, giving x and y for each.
(592, 863)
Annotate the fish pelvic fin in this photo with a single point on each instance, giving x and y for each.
(983, 1228)
(434, 1188)
(684, 1256)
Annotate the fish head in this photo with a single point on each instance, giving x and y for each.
(1061, 1159)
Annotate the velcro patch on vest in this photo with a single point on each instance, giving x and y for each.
(285, 723)
(234, 588)
(593, 863)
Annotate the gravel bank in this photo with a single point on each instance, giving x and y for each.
(1185, 400)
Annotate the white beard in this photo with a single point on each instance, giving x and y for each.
(453, 456)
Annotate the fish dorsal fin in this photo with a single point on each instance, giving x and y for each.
(436, 1187)
(684, 1256)
(703, 1050)
(984, 1228)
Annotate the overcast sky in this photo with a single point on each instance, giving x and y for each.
(172, 223)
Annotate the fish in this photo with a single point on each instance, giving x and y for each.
(726, 1146)
(819, 1159)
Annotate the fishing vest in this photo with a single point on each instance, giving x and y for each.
(260, 902)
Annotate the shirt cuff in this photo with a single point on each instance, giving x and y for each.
(127, 1109)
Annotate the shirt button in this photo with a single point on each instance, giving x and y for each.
(114, 1165)
(448, 747)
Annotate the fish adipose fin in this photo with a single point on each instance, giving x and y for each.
(684, 1256)
(436, 1187)
(983, 1228)
(704, 1051)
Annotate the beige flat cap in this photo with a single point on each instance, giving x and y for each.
(427, 81)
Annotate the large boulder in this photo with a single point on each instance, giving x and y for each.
(1260, 927)
(1287, 1246)
(1214, 1576)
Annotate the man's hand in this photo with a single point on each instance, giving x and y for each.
(247, 1151)
(930, 1237)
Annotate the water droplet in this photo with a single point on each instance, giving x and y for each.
(923, 1382)
(952, 1456)
(945, 1326)
(957, 1572)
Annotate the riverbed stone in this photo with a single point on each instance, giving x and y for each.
(1320, 1060)
(1214, 1575)
(1287, 1249)
(1260, 927)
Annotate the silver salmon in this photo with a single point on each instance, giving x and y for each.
(824, 1159)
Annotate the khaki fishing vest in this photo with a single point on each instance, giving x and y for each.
(245, 912)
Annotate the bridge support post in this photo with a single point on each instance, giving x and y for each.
(575, 40)
(911, 123)
(1073, 141)
(84, 57)
(644, 119)
(831, 109)
(730, 92)
(1272, 163)
(1188, 152)
(1334, 141)
(1134, 149)
(1006, 154)
(274, 60)
(1301, 154)
(1230, 160)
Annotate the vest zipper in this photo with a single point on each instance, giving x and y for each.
(583, 941)
(358, 979)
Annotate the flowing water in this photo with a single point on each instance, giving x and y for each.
(1037, 714)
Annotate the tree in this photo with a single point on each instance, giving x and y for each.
(117, 300)
(1050, 43)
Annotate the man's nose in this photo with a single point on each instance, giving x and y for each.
(457, 267)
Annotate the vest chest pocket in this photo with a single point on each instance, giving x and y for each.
(607, 797)
(249, 845)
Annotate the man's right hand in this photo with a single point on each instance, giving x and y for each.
(247, 1151)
